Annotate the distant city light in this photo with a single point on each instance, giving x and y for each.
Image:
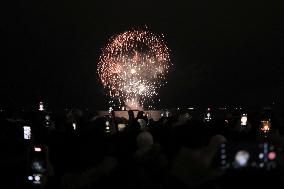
(110, 109)
(107, 129)
(207, 117)
(74, 126)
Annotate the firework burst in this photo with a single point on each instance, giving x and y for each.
(133, 66)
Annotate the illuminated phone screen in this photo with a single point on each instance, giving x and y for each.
(244, 119)
(27, 132)
(37, 164)
(253, 155)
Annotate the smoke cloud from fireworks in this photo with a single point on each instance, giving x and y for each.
(133, 66)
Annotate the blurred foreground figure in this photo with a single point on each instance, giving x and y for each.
(194, 167)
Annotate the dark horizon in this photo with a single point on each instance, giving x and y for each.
(222, 52)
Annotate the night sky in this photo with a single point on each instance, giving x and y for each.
(223, 52)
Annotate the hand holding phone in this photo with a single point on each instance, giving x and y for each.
(37, 164)
(238, 156)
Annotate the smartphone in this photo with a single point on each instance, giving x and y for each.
(37, 164)
(238, 156)
(244, 119)
(27, 132)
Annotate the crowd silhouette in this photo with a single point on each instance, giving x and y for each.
(180, 150)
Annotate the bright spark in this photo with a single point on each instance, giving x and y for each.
(133, 66)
